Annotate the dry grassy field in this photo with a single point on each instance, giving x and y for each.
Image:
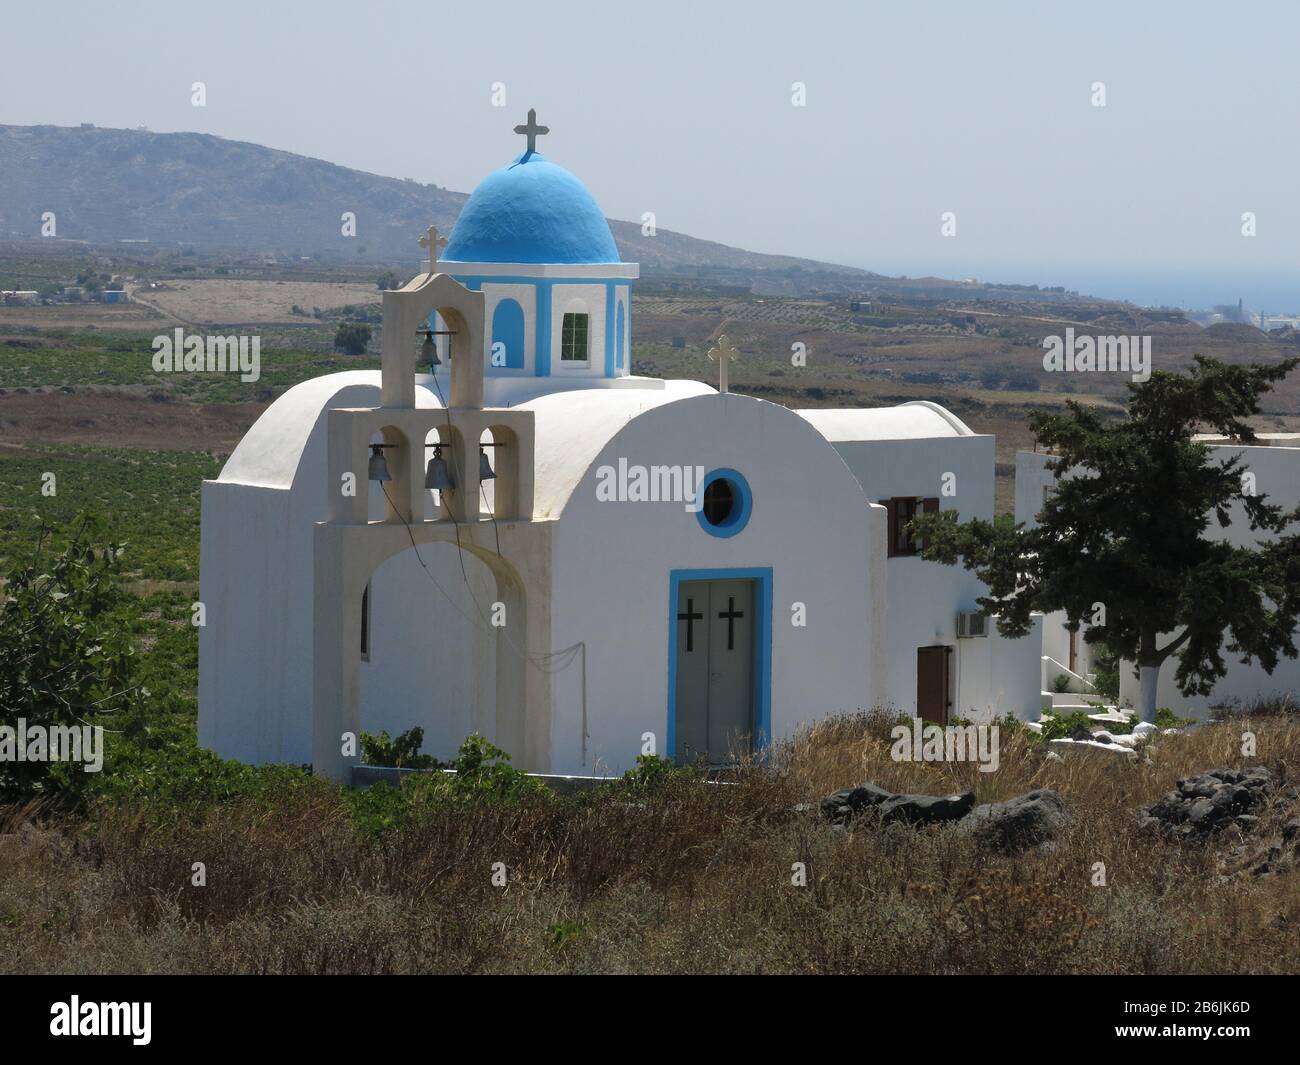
(672, 877)
(216, 301)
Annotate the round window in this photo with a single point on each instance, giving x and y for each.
(726, 503)
(719, 502)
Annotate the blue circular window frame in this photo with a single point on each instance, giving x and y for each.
(740, 511)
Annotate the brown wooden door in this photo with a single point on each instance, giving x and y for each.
(933, 683)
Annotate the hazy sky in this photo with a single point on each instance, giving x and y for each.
(684, 109)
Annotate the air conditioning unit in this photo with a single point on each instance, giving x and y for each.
(973, 624)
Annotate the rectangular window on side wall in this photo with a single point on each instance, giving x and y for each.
(573, 338)
(901, 511)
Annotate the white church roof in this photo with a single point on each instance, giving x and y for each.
(270, 452)
(572, 428)
(917, 420)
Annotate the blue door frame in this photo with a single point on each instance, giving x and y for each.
(762, 577)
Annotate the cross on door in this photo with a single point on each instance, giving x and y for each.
(730, 614)
(690, 617)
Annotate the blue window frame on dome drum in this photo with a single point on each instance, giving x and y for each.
(508, 331)
(573, 338)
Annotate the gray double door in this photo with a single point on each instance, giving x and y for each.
(715, 670)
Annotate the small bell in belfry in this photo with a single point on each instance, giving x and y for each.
(378, 467)
(438, 476)
(429, 351)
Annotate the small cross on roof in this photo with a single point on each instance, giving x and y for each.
(532, 130)
(724, 353)
(435, 244)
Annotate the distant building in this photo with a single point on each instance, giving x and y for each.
(115, 295)
(13, 296)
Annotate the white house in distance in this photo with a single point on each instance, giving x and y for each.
(531, 543)
(1274, 461)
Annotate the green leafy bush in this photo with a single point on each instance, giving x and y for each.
(167, 768)
(1105, 666)
(402, 752)
(352, 338)
(64, 662)
(651, 773)
(1166, 718)
(1061, 726)
(483, 771)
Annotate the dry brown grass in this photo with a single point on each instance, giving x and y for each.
(691, 878)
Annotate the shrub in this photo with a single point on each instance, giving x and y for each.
(352, 338)
(402, 753)
(1063, 726)
(1106, 672)
(1166, 718)
(167, 768)
(1061, 684)
(64, 662)
(483, 772)
(651, 773)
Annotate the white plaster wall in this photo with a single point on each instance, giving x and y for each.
(432, 660)
(887, 468)
(1032, 477)
(593, 298)
(245, 706)
(256, 577)
(612, 566)
(996, 675)
(925, 597)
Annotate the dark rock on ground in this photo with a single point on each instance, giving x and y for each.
(1033, 817)
(926, 809)
(848, 802)
(1026, 821)
(1206, 803)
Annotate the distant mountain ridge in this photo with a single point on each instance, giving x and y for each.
(111, 185)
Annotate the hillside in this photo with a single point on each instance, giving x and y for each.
(112, 185)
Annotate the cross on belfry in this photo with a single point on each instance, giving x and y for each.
(724, 353)
(435, 244)
(532, 130)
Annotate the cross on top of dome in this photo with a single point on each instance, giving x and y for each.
(532, 130)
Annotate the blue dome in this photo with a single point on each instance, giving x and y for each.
(531, 211)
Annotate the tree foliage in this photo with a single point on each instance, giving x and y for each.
(352, 338)
(1127, 528)
(64, 661)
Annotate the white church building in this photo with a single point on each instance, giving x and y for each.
(504, 531)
